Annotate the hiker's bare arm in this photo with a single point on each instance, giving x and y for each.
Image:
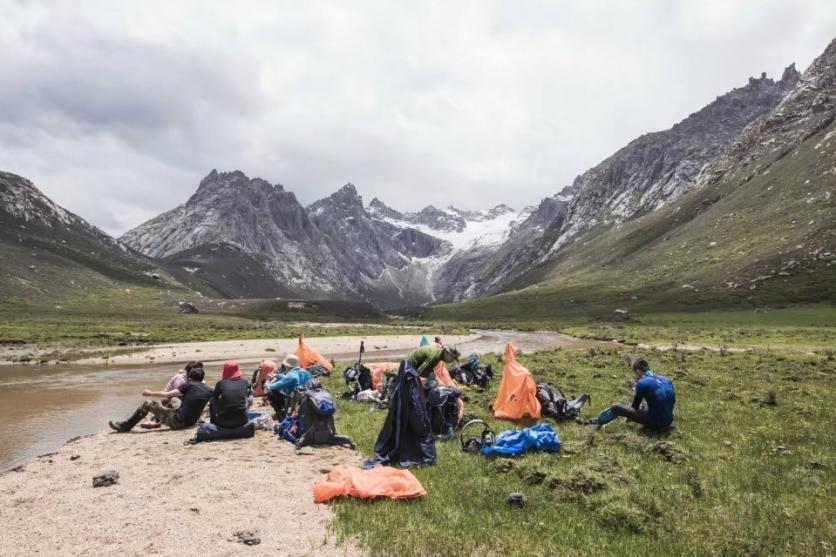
(162, 394)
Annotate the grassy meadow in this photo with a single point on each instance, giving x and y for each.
(749, 467)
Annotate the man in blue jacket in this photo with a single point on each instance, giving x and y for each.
(280, 388)
(657, 394)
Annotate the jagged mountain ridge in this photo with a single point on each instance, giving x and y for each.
(650, 172)
(335, 247)
(757, 230)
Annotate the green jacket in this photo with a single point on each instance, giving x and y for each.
(424, 359)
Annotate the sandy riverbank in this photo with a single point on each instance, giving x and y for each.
(247, 351)
(171, 499)
(342, 348)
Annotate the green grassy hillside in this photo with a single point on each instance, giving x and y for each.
(769, 241)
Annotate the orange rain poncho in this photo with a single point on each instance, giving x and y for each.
(517, 394)
(443, 376)
(379, 370)
(308, 356)
(380, 481)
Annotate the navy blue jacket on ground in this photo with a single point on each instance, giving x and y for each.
(658, 391)
(406, 438)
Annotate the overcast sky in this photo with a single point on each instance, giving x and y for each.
(117, 109)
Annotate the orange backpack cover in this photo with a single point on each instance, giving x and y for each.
(308, 356)
(517, 394)
(379, 370)
(380, 481)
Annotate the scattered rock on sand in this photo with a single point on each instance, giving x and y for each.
(246, 537)
(75, 457)
(106, 479)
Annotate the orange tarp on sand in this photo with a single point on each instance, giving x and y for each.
(378, 370)
(309, 356)
(381, 481)
(443, 376)
(517, 394)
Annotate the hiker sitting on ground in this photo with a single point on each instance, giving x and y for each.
(195, 396)
(178, 379)
(231, 398)
(656, 391)
(424, 359)
(281, 388)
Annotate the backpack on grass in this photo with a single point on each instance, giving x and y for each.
(554, 403)
(443, 409)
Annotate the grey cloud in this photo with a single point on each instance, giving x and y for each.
(118, 110)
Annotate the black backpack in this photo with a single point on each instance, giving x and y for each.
(318, 369)
(471, 372)
(554, 403)
(360, 374)
(443, 409)
(315, 412)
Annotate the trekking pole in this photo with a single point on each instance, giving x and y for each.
(362, 349)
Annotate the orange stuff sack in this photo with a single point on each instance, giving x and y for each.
(443, 376)
(308, 356)
(379, 370)
(380, 481)
(517, 394)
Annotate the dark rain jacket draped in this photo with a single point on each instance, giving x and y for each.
(406, 438)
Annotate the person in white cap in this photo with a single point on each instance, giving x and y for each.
(281, 388)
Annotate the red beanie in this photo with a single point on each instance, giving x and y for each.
(231, 370)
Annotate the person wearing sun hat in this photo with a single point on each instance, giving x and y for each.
(228, 407)
(281, 388)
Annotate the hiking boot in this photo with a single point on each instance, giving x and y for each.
(128, 424)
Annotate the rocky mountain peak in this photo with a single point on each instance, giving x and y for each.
(380, 209)
(22, 200)
(790, 75)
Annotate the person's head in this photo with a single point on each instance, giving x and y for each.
(268, 365)
(290, 361)
(640, 366)
(192, 364)
(450, 355)
(231, 370)
(196, 374)
(437, 340)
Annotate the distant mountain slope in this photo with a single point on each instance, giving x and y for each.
(50, 252)
(758, 230)
(648, 173)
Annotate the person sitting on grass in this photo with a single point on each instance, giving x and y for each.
(231, 398)
(424, 359)
(281, 388)
(195, 397)
(653, 401)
